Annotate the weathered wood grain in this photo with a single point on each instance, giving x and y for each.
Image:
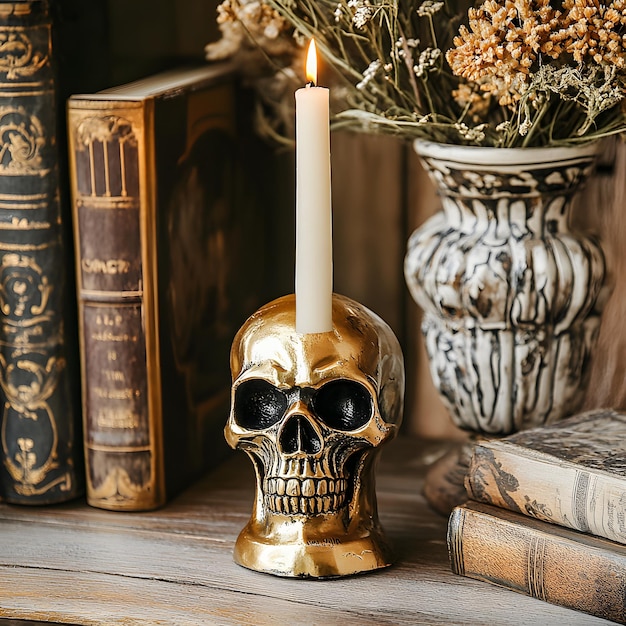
(368, 230)
(79, 565)
(602, 210)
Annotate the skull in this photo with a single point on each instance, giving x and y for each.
(311, 411)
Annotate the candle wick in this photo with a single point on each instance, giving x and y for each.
(310, 84)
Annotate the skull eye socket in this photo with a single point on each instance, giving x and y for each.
(343, 404)
(258, 404)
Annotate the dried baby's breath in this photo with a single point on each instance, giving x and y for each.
(429, 7)
(501, 72)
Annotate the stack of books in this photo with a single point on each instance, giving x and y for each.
(547, 514)
(132, 227)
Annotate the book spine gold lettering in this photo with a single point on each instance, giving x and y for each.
(542, 560)
(40, 446)
(109, 171)
(515, 478)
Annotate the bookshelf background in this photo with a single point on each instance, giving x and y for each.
(380, 192)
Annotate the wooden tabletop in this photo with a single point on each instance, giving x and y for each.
(75, 564)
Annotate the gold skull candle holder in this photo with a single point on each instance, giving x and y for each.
(311, 411)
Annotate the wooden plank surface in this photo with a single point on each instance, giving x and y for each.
(79, 565)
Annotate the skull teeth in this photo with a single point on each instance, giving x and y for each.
(310, 496)
(308, 487)
(301, 467)
(291, 505)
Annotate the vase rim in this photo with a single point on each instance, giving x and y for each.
(490, 155)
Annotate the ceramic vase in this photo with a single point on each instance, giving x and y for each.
(510, 293)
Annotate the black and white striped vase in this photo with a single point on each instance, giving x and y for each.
(511, 295)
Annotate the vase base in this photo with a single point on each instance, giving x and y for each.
(444, 486)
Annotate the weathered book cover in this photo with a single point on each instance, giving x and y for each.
(164, 278)
(571, 473)
(40, 428)
(542, 560)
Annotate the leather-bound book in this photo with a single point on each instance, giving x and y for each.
(163, 277)
(542, 560)
(571, 473)
(41, 442)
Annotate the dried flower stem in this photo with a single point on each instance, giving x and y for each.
(506, 73)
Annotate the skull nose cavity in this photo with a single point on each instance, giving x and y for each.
(299, 436)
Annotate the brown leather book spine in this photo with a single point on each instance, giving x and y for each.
(545, 561)
(169, 260)
(110, 169)
(40, 421)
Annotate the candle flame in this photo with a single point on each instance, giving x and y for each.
(311, 63)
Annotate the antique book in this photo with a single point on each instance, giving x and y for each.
(164, 277)
(571, 473)
(543, 560)
(41, 439)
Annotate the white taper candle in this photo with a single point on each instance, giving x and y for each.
(314, 262)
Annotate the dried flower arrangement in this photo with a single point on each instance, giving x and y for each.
(505, 73)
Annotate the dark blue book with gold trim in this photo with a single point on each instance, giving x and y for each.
(41, 450)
